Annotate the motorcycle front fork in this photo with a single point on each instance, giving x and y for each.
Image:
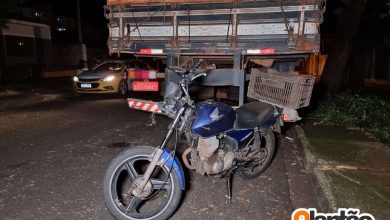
(159, 151)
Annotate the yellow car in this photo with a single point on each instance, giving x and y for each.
(107, 77)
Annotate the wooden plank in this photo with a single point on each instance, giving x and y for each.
(226, 11)
(214, 30)
(117, 2)
(264, 62)
(314, 65)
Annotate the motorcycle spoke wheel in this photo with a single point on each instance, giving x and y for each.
(159, 198)
(259, 161)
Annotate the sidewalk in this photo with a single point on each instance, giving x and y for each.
(46, 90)
(351, 170)
(15, 99)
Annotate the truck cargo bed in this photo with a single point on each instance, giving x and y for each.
(213, 27)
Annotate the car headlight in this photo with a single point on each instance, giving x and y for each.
(108, 78)
(75, 79)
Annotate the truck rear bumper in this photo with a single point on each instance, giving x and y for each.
(143, 105)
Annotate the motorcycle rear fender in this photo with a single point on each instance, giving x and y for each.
(166, 158)
(273, 122)
(277, 126)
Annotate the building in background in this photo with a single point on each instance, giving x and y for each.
(42, 36)
(25, 43)
(24, 49)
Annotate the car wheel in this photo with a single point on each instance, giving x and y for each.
(122, 88)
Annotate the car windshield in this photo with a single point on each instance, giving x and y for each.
(109, 66)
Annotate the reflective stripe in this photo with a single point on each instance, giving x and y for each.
(261, 51)
(143, 105)
(151, 51)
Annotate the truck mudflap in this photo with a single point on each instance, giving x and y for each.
(143, 105)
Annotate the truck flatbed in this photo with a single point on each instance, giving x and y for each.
(228, 35)
(213, 27)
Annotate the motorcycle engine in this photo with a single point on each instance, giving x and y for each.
(212, 157)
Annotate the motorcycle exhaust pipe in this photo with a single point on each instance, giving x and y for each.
(186, 162)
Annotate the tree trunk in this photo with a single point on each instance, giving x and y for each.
(336, 69)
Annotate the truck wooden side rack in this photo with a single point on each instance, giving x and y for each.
(233, 31)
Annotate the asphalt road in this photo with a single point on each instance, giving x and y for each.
(53, 156)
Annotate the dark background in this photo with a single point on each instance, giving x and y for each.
(355, 33)
(62, 13)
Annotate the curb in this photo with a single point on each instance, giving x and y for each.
(322, 184)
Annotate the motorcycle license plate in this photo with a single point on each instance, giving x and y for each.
(86, 85)
(145, 86)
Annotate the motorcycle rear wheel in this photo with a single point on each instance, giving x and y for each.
(162, 198)
(267, 148)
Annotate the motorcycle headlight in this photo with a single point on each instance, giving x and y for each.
(75, 79)
(172, 91)
(108, 78)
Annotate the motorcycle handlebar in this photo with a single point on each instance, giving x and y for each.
(176, 69)
(189, 74)
(199, 75)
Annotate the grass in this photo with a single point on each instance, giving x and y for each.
(357, 110)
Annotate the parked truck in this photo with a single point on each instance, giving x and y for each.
(235, 38)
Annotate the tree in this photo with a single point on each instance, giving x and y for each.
(335, 74)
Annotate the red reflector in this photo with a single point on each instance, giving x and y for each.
(145, 74)
(267, 50)
(145, 86)
(138, 74)
(261, 51)
(142, 74)
(151, 51)
(145, 51)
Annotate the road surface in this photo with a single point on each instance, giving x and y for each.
(54, 154)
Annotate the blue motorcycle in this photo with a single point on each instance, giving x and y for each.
(147, 182)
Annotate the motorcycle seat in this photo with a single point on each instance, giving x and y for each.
(253, 114)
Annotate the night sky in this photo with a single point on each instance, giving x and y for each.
(94, 24)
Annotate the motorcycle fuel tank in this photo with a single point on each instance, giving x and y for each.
(213, 118)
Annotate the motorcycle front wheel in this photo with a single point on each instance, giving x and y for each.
(158, 200)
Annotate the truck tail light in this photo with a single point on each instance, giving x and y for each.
(290, 115)
(142, 74)
(131, 74)
(138, 74)
(152, 74)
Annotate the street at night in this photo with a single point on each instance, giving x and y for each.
(201, 109)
